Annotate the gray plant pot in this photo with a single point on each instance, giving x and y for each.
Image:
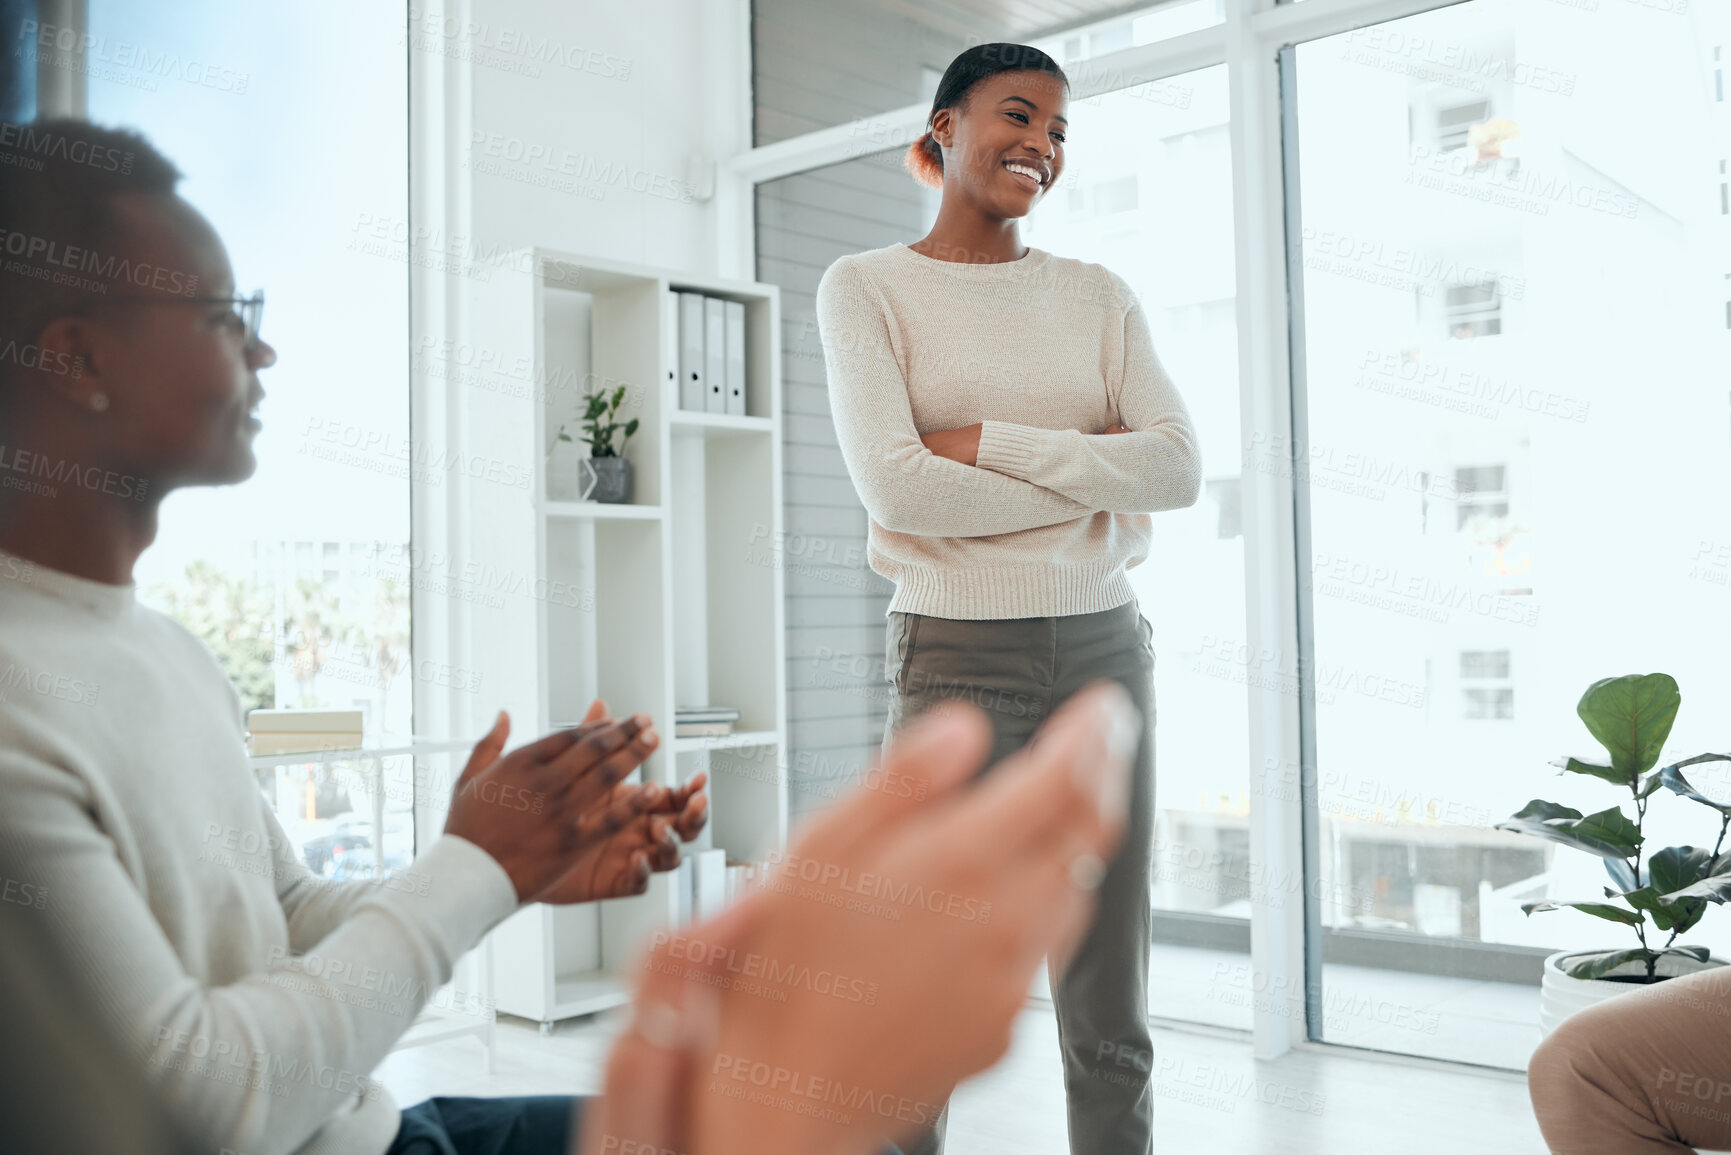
(606, 479)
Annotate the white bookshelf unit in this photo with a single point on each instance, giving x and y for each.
(675, 599)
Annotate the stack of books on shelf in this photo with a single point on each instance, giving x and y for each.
(703, 721)
(302, 731)
(711, 354)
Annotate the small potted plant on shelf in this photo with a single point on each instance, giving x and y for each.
(1663, 891)
(605, 474)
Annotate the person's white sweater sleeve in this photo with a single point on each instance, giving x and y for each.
(260, 1063)
(1157, 466)
(314, 906)
(905, 487)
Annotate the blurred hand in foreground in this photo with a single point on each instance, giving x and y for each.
(885, 956)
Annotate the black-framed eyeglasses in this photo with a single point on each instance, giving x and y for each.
(249, 310)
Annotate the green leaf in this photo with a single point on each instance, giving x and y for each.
(1622, 874)
(1688, 912)
(1668, 871)
(1677, 784)
(1631, 716)
(1596, 909)
(1698, 953)
(1602, 963)
(1714, 885)
(1668, 913)
(1675, 867)
(1650, 785)
(1608, 773)
(1609, 833)
(1595, 966)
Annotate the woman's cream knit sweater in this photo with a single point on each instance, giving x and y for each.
(1045, 352)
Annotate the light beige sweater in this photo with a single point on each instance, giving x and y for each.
(256, 997)
(1044, 352)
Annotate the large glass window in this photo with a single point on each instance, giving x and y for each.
(1147, 192)
(290, 123)
(822, 63)
(1514, 369)
(1078, 47)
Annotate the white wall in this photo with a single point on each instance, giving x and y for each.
(627, 90)
(563, 125)
(522, 113)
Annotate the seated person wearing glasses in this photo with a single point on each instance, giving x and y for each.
(129, 369)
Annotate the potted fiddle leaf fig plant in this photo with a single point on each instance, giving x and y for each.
(606, 472)
(1655, 891)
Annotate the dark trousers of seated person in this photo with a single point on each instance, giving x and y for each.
(527, 1125)
(1017, 671)
(532, 1125)
(1645, 1073)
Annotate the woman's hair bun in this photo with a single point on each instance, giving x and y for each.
(925, 160)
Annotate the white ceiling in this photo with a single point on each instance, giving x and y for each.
(1009, 19)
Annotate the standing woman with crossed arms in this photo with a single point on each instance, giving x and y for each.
(1009, 428)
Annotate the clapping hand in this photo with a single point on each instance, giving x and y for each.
(558, 818)
(1013, 858)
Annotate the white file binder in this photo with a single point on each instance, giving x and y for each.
(670, 345)
(692, 391)
(715, 354)
(735, 379)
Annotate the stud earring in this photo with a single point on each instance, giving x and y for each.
(98, 402)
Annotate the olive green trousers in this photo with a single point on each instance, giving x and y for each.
(1018, 670)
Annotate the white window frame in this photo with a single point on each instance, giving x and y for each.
(1472, 313)
(1478, 499)
(64, 91)
(1487, 682)
(1436, 110)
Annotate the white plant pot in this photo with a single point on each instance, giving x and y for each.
(564, 464)
(1561, 995)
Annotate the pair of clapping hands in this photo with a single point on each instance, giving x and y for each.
(558, 816)
(885, 957)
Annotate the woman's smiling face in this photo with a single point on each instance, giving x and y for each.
(1004, 146)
